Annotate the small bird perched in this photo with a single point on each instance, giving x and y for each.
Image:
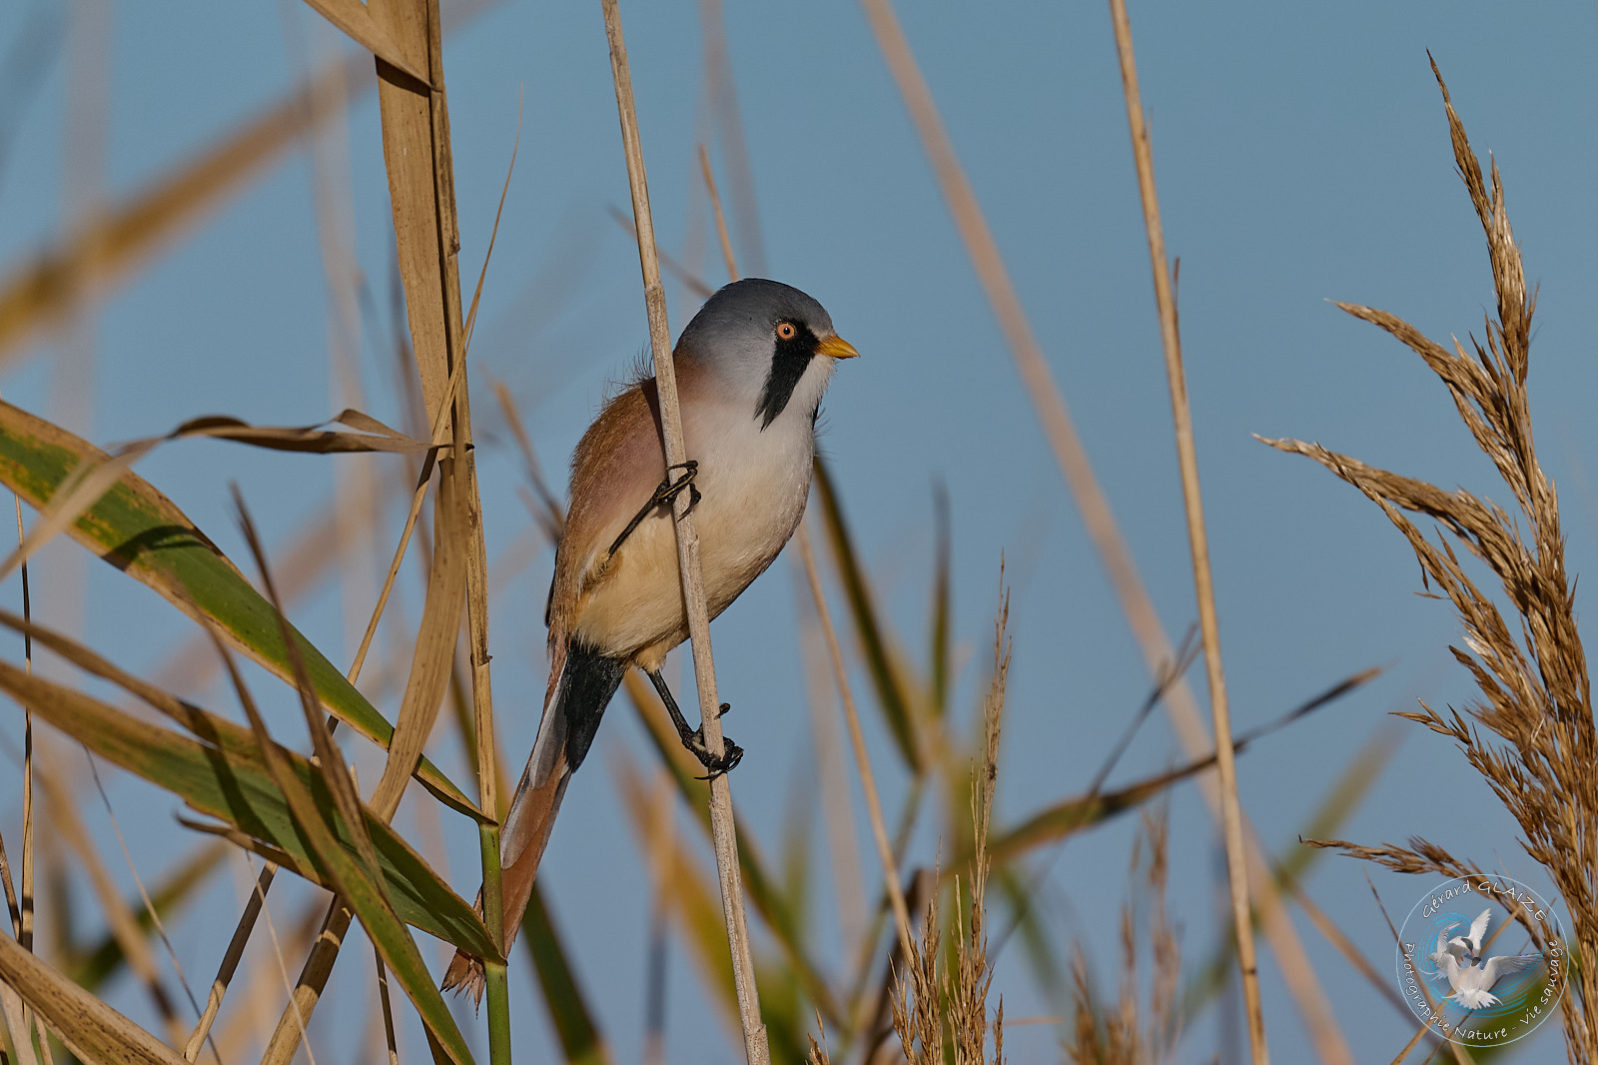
(751, 369)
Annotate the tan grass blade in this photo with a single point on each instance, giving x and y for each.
(354, 19)
(15, 1042)
(93, 1031)
(431, 660)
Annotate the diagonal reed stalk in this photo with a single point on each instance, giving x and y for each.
(1198, 537)
(722, 826)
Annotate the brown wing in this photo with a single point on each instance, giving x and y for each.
(615, 469)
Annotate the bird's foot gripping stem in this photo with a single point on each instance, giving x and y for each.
(694, 738)
(666, 494)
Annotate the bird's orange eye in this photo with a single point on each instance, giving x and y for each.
(786, 331)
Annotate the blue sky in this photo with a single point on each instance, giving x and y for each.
(1302, 156)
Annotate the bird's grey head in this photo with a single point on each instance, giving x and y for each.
(768, 343)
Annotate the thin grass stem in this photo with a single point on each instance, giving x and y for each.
(868, 780)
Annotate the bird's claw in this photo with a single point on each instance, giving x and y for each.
(731, 755)
(665, 494)
(669, 490)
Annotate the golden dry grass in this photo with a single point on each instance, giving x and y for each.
(1530, 734)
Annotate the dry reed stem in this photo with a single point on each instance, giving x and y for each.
(1091, 501)
(868, 780)
(281, 961)
(722, 826)
(25, 905)
(1203, 581)
(415, 128)
(721, 219)
(385, 1008)
(1530, 734)
(230, 961)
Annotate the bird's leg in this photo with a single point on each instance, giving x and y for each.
(665, 493)
(694, 739)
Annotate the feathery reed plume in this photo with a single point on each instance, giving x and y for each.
(1530, 734)
(1121, 1033)
(940, 1007)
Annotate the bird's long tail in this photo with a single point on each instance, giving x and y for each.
(577, 699)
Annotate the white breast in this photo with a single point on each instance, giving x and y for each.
(753, 485)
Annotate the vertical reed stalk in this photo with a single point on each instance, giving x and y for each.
(723, 829)
(1204, 588)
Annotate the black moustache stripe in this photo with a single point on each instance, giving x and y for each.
(789, 360)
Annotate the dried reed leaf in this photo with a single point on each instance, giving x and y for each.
(93, 1031)
(354, 19)
(431, 661)
(370, 435)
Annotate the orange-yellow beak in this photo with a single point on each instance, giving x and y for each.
(837, 347)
